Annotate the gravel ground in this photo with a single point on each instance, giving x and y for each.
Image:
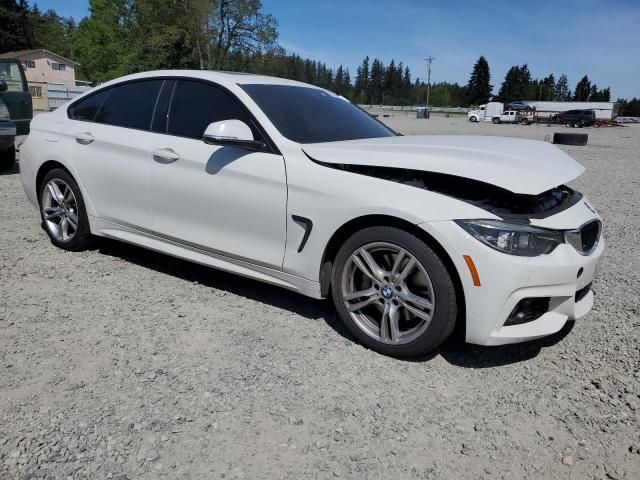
(123, 363)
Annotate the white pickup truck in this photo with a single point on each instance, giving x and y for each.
(495, 112)
(510, 116)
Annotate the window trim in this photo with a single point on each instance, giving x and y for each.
(271, 146)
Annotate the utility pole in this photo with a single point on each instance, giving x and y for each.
(428, 60)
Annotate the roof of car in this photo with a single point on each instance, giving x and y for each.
(239, 78)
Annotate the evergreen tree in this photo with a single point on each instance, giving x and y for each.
(362, 82)
(549, 84)
(561, 90)
(389, 74)
(583, 90)
(376, 81)
(479, 86)
(517, 85)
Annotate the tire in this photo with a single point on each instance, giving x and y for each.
(71, 209)
(524, 121)
(496, 121)
(427, 289)
(8, 159)
(473, 119)
(578, 139)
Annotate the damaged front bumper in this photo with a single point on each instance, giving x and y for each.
(547, 290)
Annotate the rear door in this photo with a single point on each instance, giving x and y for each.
(17, 96)
(110, 136)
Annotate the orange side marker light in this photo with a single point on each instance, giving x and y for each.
(472, 270)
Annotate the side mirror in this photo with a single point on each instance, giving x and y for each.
(233, 133)
(3, 86)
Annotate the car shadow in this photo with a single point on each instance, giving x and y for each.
(461, 354)
(223, 157)
(455, 351)
(15, 169)
(309, 308)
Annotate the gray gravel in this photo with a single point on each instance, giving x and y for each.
(122, 363)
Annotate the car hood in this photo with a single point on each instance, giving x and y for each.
(521, 166)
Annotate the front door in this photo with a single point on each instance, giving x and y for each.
(224, 200)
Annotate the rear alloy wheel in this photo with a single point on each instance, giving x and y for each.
(62, 211)
(393, 292)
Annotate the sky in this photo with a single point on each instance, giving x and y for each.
(599, 38)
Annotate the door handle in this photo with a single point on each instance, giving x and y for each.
(84, 138)
(164, 155)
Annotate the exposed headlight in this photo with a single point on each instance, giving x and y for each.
(513, 238)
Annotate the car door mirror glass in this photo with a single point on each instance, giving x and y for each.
(3, 86)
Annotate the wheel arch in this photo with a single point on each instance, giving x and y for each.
(45, 168)
(352, 226)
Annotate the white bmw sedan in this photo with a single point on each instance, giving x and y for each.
(292, 185)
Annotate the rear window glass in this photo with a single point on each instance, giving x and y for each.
(130, 105)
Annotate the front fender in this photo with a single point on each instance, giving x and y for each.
(330, 198)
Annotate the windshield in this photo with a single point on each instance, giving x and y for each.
(311, 115)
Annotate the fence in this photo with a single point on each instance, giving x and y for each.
(58, 94)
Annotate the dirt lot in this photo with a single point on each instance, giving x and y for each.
(122, 363)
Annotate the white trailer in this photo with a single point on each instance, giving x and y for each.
(603, 110)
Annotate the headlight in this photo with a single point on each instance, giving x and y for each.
(513, 238)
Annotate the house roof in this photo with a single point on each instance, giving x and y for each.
(21, 53)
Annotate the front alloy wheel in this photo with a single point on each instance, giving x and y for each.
(393, 292)
(388, 293)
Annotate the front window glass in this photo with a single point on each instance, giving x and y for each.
(195, 105)
(10, 74)
(311, 115)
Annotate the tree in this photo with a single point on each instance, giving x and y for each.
(546, 88)
(583, 90)
(517, 84)
(18, 30)
(561, 89)
(104, 41)
(240, 26)
(53, 32)
(376, 81)
(169, 34)
(479, 87)
(362, 82)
